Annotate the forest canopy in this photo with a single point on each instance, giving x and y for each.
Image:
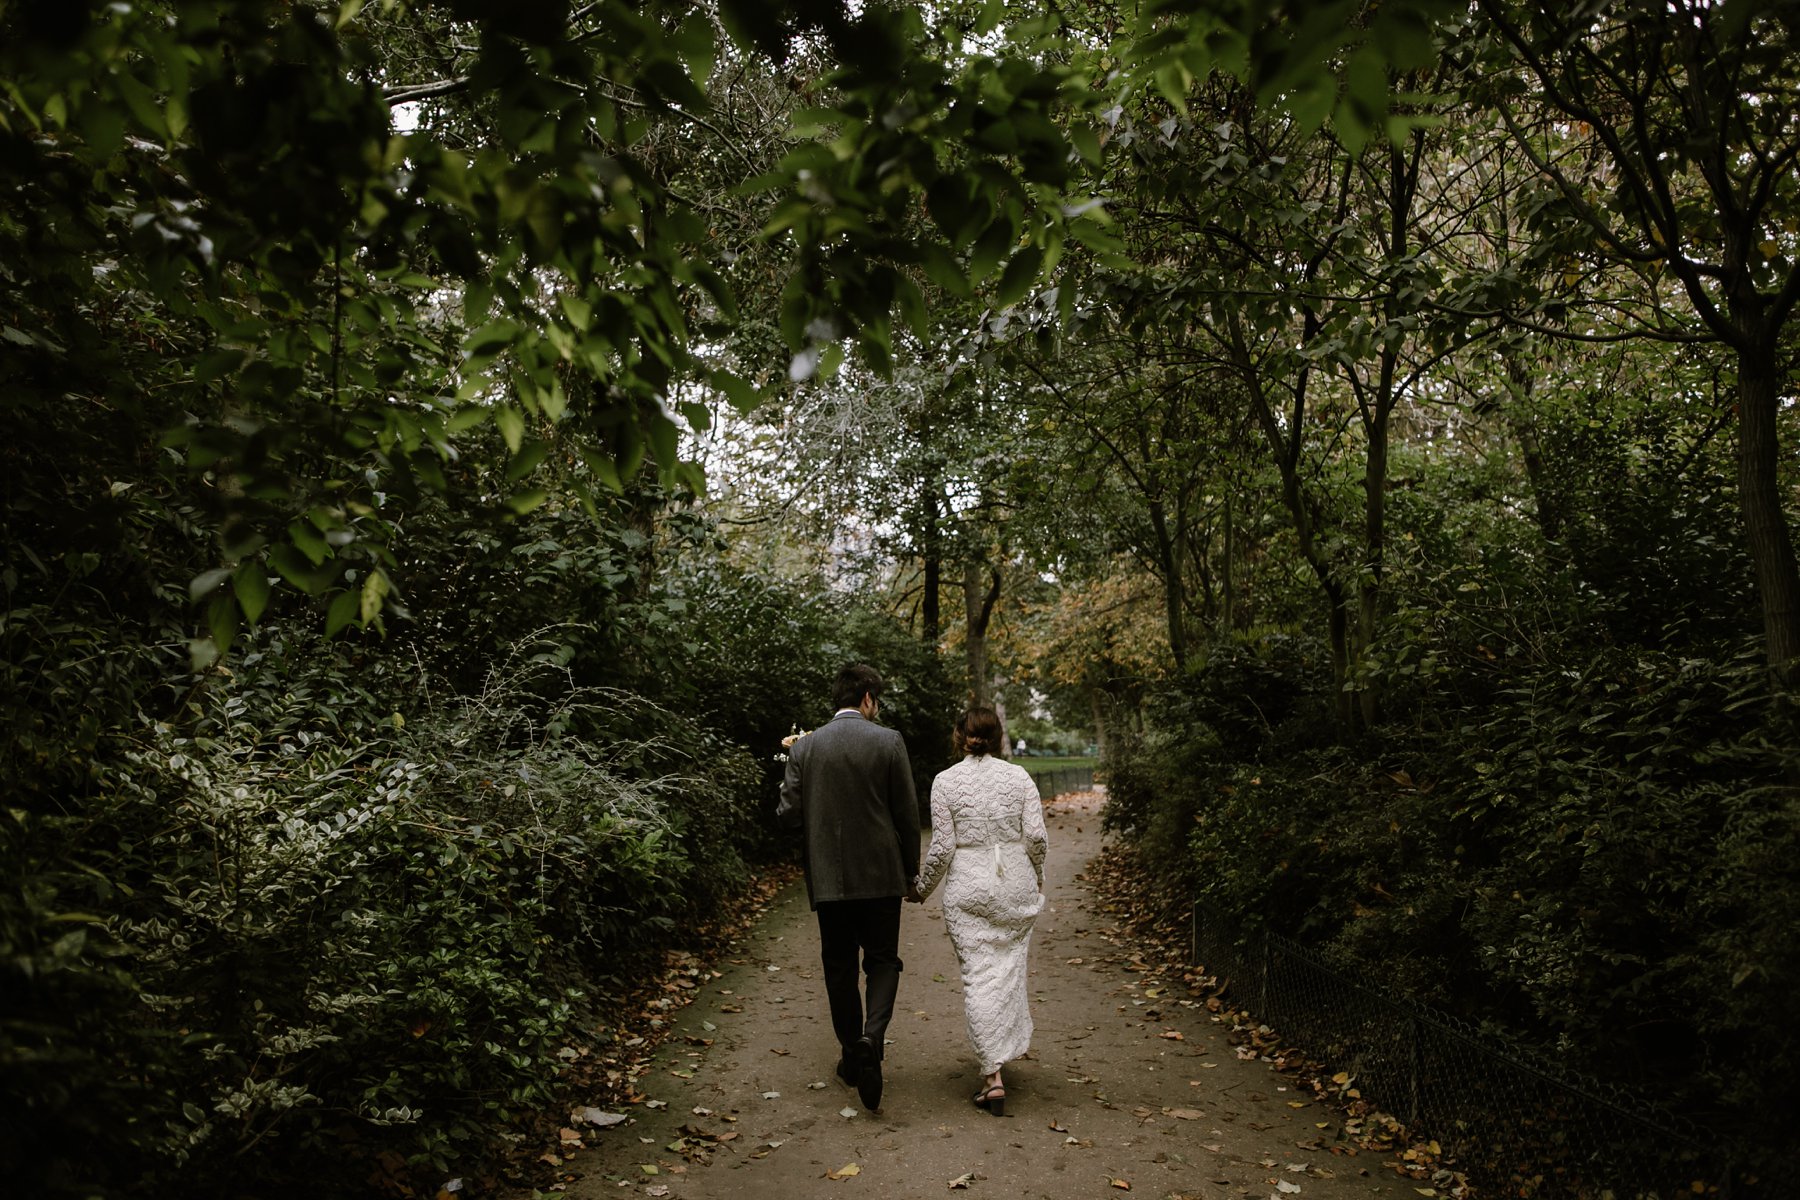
(457, 441)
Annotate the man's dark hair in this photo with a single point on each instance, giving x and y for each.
(853, 683)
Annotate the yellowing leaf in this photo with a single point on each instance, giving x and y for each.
(844, 1172)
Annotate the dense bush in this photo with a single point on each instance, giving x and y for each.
(1599, 856)
(266, 932)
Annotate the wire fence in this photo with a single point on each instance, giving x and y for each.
(1063, 779)
(1516, 1123)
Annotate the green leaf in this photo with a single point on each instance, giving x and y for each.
(343, 610)
(203, 584)
(512, 426)
(664, 441)
(1020, 275)
(498, 333)
(526, 460)
(992, 246)
(527, 500)
(309, 542)
(251, 584)
(943, 269)
(294, 567)
(745, 398)
(222, 620)
(374, 591)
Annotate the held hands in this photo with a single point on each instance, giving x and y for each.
(913, 895)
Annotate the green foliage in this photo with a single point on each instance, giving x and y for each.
(1594, 854)
(267, 932)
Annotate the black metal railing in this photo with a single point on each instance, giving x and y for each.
(1513, 1121)
(1057, 780)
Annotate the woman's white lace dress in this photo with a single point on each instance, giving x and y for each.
(987, 848)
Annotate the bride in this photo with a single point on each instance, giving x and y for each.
(987, 848)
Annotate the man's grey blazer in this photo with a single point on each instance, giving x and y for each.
(849, 787)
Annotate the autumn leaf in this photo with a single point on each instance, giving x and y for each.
(844, 1172)
(593, 1116)
(962, 1181)
(1123, 1185)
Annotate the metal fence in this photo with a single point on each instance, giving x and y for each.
(1063, 779)
(1513, 1121)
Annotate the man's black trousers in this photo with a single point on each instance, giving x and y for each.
(871, 929)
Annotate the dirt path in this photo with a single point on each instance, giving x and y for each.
(750, 1107)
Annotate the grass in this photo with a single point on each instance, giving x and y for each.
(1039, 766)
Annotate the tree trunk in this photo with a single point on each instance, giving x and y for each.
(1168, 554)
(934, 566)
(978, 608)
(1368, 584)
(1227, 579)
(1099, 722)
(1759, 494)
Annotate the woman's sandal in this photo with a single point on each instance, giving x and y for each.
(993, 1099)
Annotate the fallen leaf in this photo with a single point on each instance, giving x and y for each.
(648, 1168)
(1058, 1126)
(1290, 1189)
(846, 1112)
(698, 1111)
(1124, 1185)
(815, 1086)
(593, 1116)
(656, 1104)
(962, 1181)
(771, 1095)
(844, 1172)
(1186, 1114)
(658, 1189)
(569, 1135)
(1173, 1035)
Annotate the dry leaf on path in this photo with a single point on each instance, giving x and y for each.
(1185, 1114)
(1123, 1185)
(962, 1181)
(844, 1172)
(846, 1112)
(593, 1116)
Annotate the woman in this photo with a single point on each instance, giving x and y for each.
(987, 848)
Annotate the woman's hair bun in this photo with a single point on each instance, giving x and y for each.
(978, 731)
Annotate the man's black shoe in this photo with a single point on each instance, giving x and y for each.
(868, 1073)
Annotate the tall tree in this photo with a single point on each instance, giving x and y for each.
(1670, 134)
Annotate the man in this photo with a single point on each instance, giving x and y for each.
(849, 787)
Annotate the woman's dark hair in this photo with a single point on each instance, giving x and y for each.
(977, 732)
(853, 683)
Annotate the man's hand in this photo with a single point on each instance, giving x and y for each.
(913, 896)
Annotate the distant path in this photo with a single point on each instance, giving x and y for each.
(1171, 1118)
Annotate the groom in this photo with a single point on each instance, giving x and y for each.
(849, 786)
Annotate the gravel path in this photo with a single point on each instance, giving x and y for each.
(1125, 1088)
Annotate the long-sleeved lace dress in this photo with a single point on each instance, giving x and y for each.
(987, 848)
